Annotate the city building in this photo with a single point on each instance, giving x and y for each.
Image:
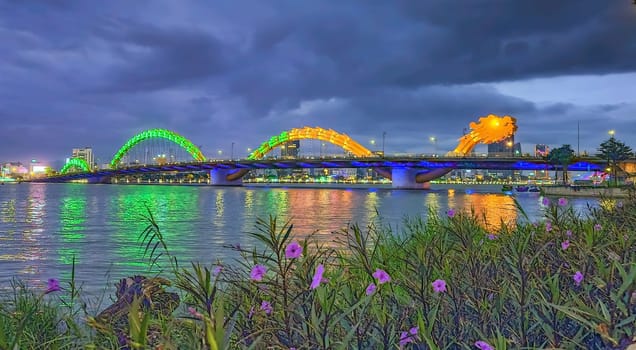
(290, 149)
(37, 169)
(505, 148)
(14, 169)
(85, 153)
(541, 150)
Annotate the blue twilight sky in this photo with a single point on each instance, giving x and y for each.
(94, 73)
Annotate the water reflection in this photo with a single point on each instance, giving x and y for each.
(43, 226)
(72, 233)
(494, 209)
(175, 211)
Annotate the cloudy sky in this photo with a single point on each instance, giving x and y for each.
(89, 73)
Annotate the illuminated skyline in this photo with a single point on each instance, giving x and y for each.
(233, 74)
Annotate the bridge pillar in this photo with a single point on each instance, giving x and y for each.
(99, 180)
(404, 178)
(218, 177)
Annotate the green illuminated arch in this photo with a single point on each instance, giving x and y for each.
(317, 133)
(162, 134)
(75, 163)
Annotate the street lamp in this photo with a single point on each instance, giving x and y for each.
(433, 140)
(611, 133)
(509, 144)
(220, 153)
(232, 152)
(383, 136)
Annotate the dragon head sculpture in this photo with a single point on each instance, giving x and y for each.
(489, 129)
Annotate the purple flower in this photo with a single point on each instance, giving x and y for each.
(563, 202)
(251, 313)
(482, 345)
(545, 201)
(382, 276)
(439, 286)
(53, 285)
(217, 270)
(619, 204)
(370, 288)
(597, 227)
(195, 313)
(293, 250)
(578, 277)
(565, 244)
(450, 213)
(315, 282)
(266, 306)
(414, 330)
(405, 338)
(492, 236)
(548, 226)
(258, 271)
(568, 233)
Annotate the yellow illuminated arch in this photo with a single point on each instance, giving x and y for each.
(317, 133)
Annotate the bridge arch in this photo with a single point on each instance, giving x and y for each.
(305, 133)
(309, 133)
(157, 133)
(75, 163)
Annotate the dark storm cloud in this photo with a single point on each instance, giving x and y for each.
(154, 58)
(86, 73)
(508, 40)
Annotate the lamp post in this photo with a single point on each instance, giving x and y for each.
(611, 133)
(383, 136)
(433, 140)
(232, 152)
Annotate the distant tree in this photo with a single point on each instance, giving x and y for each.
(614, 151)
(562, 156)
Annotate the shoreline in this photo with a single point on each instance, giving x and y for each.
(578, 191)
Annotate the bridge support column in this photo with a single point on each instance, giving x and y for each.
(99, 180)
(404, 178)
(218, 177)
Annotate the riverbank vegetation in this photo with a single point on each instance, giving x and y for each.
(565, 282)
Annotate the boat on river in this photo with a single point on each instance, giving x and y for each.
(506, 188)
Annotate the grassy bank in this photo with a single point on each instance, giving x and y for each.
(566, 282)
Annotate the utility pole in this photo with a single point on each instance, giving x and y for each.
(383, 136)
(578, 138)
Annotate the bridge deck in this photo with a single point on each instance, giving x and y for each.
(526, 163)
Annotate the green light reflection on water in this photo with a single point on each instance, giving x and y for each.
(174, 209)
(72, 227)
(7, 212)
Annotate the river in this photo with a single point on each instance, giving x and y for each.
(43, 226)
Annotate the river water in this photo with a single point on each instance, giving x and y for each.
(43, 226)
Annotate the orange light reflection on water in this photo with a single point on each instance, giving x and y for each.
(311, 209)
(493, 208)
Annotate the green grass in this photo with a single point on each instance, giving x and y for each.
(513, 288)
